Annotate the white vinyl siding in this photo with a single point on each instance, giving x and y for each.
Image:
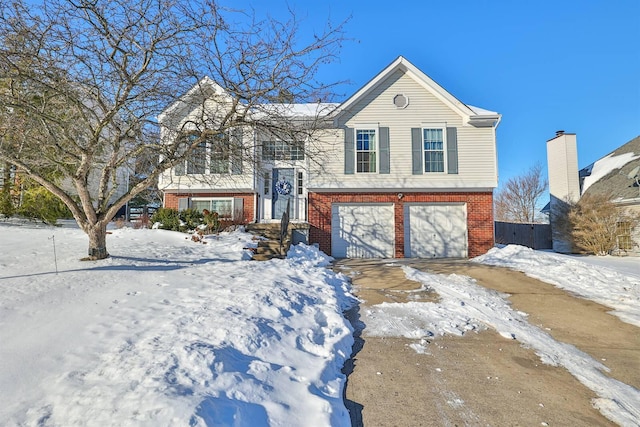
(476, 146)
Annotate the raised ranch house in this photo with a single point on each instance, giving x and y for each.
(400, 169)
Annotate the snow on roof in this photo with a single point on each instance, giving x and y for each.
(481, 111)
(298, 110)
(606, 165)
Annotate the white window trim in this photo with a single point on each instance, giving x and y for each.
(209, 199)
(283, 143)
(210, 153)
(184, 162)
(365, 126)
(228, 133)
(443, 127)
(266, 183)
(206, 160)
(300, 185)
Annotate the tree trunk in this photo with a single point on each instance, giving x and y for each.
(98, 241)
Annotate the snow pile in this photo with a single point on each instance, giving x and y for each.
(168, 332)
(597, 283)
(306, 255)
(604, 166)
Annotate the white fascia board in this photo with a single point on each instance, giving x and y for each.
(439, 92)
(484, 118)
(197, 89)
(473, 115)
(481, 187)
(370, 84)
(485, 121)
(205, 190)
(294, 111)
(421, 78)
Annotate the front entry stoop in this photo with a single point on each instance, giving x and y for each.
(269, 243)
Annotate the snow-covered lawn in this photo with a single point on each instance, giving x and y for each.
(168, 332)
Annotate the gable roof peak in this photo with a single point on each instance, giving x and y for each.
(403, 64)
(205, 87)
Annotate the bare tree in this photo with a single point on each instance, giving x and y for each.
(85, 81)
(519, 198)
(593, 225)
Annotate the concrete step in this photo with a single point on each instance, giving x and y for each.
(272, 243)
(264, 257)
(270, 248)
(268, 231)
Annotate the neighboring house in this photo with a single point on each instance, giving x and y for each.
(616, 175)
(400, 169)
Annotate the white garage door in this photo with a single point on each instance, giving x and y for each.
(362, 231)
(435, 231)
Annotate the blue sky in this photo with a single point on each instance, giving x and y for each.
(544, 65)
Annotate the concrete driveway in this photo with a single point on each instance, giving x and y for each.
(481, 378)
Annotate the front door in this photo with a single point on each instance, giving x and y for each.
(283, 191)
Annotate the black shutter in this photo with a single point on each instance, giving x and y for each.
(236, 151)
(452, 150)
(416, 151)
(349, 152)
(385, 155)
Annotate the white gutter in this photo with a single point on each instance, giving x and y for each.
(495, 147)
(256, 197)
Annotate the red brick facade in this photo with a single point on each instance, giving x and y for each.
(171, 201)
(479, 215)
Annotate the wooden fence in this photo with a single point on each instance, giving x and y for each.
(534, 236)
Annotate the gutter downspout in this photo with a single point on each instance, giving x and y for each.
(495, 147)
(256, 197)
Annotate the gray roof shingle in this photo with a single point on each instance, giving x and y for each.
(616, 183)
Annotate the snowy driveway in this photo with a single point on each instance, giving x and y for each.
(564, 331)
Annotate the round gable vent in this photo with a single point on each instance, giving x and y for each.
(400, 100)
